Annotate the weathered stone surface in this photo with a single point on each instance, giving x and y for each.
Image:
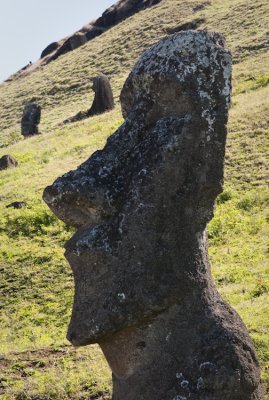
(30, 119)
(121, 10)
(194, 24)
(77, 117)
(143, 287)
(77, 40)
(16, 204)
(50, 49)
(8, 161)
(69, 44)
(103, 98)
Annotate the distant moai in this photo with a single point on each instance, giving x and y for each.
(30, 119)
(77, 40)
(8, 161)
(103, 98)
(143, 285)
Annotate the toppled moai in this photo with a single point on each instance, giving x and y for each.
(16, 204)
(143, 286)
(30, 119)
(7, 161)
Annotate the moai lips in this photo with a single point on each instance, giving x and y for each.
(143, 287)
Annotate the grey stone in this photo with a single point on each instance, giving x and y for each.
(115, 14)
(30, 119)
(103, 100)
(16, 204)
(77, 40)
(7, 161)
(50, 49)
(103, 96)
(143, 286)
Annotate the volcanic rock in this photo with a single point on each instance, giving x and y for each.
(30, 119)
(50, 48)
(7, 161)
(103, 98)
(111, 17)
(16, 204)
(143, 285)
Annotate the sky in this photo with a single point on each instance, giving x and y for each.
(28, 26)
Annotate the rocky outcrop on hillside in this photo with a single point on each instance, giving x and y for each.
(111, 17)
(30, 119)
(7, 161)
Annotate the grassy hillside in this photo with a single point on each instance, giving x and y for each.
(36, 362)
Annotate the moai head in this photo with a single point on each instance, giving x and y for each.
(141, 204)
(143, 288)
(30, 118)
(103, 98)
(8, 161)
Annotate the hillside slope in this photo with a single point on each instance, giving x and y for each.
(36, 362)
(110, 18)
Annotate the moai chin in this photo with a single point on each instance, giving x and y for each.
(143, 286)
(30, 119)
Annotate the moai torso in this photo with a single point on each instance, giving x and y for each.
(143, 286)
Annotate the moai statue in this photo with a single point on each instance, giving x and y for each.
(30, 119)
(143, 286)
(103, 98)
(7, 161)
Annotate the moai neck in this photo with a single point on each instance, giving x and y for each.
(190, 351)
(172, 358)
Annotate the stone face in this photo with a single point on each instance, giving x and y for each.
(7, 161)
(143, 286)
(30, 119)
(103, 96)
